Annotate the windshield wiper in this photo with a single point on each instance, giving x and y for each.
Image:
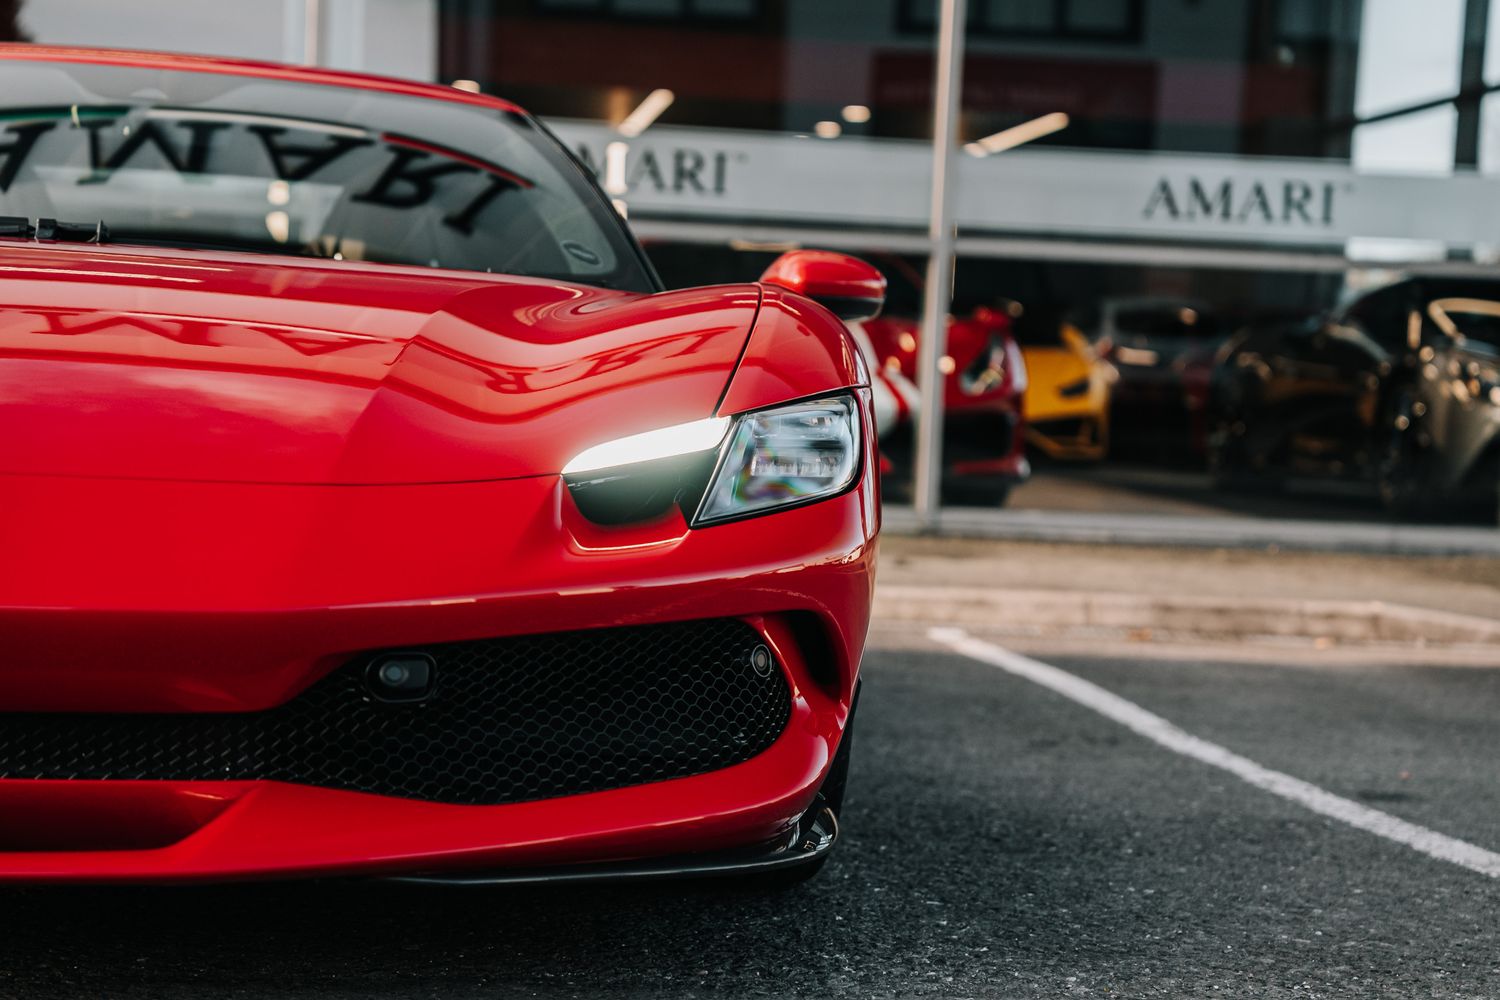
(52, 229)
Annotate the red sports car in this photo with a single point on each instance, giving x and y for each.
(984, 428)
(368, 508)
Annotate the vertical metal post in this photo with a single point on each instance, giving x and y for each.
(938, 294)
(312, 33)
(1471, 84)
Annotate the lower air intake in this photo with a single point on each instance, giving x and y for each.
(507, 720)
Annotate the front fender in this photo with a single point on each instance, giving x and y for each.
(797, 349)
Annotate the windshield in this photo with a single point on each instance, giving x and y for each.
(1166, 322)
(1471, 322)
(193, 159)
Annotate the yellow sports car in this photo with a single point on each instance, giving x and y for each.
(1067, 400)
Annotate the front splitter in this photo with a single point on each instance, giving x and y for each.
(808, 839)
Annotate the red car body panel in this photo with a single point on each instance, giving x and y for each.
(242, 368)
(790, 342)
(224, 475)
(147, 620)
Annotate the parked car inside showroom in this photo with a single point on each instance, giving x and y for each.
(371, 509)
(984, 379)
(1400, 389)
(1158, 347)
(1068, 391)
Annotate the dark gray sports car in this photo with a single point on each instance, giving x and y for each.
(1401, 388)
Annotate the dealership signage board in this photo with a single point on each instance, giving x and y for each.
(704, 174)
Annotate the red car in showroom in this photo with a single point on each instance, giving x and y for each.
(984, 381)
(370, 509)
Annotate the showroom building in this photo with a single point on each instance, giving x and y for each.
(1132, 174)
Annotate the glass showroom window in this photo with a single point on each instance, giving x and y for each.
(726, 10)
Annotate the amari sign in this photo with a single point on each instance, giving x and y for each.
(746, 177)
(1290, 203)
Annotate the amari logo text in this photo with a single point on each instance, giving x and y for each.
(1282, 202)
(675, 170)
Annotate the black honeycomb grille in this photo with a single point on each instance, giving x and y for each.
(509, 720)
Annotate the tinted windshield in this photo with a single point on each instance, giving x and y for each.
(196, 159)
(1178, 322)
(1475, 322)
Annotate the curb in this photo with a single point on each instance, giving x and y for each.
(1338, 621)
(1201, 532)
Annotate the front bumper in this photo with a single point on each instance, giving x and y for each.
(211, 598)
(982, 439)
(1073, 439)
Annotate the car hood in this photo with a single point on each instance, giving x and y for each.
(241, 368)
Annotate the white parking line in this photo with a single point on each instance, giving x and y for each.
(1158, 730)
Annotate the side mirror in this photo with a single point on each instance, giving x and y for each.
(846, 286)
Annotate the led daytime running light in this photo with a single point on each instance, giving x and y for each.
(665, 442)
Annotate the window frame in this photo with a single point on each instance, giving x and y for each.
(910, 23)
(687, 13)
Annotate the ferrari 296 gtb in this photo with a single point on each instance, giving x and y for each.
(367, 507)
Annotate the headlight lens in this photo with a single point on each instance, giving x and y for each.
(723, 468)
(784, 456)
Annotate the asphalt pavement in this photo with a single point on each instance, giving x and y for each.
(1000, 840)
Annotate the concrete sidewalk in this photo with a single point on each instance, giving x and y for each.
(1217, 594)
(1194, 531)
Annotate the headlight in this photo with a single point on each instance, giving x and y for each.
(784, 456)
(779, 457)
(986, 371)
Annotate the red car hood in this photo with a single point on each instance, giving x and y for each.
(187, 365)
